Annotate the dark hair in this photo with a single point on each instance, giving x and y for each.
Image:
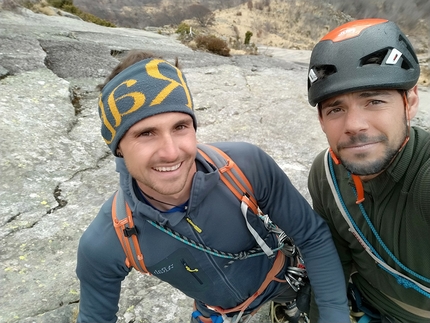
(133, 56)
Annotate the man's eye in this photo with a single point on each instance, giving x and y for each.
(333, 111)
(145, 134)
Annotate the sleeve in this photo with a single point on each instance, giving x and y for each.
(100, 269)
(292, 213)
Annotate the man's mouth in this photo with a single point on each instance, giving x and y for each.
(362, 142)
(167, 169)
(361, 145)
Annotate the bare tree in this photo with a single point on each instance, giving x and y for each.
(236, 31)
(202, 14)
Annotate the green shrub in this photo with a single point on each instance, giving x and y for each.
(183, 28)
(69, 7)
(72, 9)
(248, 36)
(60, 3)
(212, 44)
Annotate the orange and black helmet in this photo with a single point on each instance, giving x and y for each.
(361, 54)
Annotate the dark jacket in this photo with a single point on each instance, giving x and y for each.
(398, 204)
(214, 209)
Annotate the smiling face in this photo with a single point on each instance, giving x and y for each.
(159, 152)
(366, 129)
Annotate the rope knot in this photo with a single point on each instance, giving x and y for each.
(242, 255)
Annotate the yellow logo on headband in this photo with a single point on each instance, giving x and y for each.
(139, 99)
(153, 70)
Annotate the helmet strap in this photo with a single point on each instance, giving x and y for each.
(334, 157)
(408, 119)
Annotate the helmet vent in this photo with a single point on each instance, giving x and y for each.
(323, 71)
(374, 58)
(406, 65)
(408, 46)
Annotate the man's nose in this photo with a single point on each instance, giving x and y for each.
(356, 120)
(168, 149)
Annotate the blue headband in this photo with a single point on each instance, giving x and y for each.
(146, 88)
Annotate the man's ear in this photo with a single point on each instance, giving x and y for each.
(413, 102)
(118, 152)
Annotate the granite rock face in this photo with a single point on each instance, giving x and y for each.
(56, 171)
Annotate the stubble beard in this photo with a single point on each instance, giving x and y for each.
(374, 167)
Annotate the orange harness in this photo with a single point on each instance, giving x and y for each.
(271, 276)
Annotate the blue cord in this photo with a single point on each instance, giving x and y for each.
(363, 211)
(349, 215)
(400, 280)
(209, 251)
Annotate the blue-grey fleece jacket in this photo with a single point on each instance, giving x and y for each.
(216, 211)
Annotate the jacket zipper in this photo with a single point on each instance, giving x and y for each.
(191, 271)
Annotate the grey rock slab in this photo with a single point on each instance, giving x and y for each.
(36, 116)
(20, 53)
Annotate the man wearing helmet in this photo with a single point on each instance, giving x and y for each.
(372, 185)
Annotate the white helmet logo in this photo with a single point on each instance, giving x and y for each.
(394, 57)
(312, 76)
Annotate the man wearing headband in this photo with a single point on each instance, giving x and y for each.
(177, 196)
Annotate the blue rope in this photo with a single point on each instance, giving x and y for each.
(406, 283)
(397, 261)
(400, 280)
(349, 215)
(241, 255)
